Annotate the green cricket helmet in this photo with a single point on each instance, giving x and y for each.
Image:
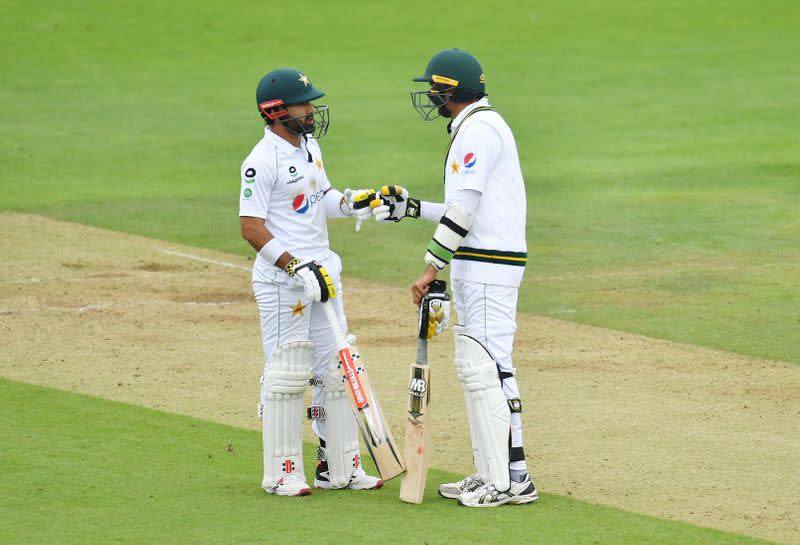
(287, 87)
(449, 70)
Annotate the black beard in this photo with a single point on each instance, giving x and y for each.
(443, 111)
(298, 126)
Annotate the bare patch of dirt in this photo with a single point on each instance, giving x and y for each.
(156, 266)
(650, 426)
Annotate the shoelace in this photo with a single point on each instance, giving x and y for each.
(292, 477)
(473, 482)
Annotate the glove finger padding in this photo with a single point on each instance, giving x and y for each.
(360, 200)
(434, 311)
(360, 203)
(394, 203)
(316, 281)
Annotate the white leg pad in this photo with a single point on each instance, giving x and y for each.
(283, 384)
(487, 409)
(341, 433)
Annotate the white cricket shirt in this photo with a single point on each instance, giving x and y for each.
(285, 185)
(483, 157)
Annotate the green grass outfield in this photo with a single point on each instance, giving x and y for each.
(659, 144)
(78, 469)
(659, 140)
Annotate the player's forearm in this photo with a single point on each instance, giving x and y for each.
(431, 211)
(275, 253)
(256, 233)
(336, 204)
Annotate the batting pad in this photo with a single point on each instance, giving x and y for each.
(487, 409)
(341, 434)
(284, 382)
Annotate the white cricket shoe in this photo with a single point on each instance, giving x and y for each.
(292, 484)
(488, 496)
(359, 480)
(453, 490)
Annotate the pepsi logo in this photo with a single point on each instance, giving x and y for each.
(300, 204)
(470, 160)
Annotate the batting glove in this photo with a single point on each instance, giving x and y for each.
(434, 311)
(360, 202)
(316, 280)
(395, 204)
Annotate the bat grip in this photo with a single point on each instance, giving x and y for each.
(422, 351)
(338, 335)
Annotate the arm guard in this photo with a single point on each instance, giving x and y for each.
(452, 228)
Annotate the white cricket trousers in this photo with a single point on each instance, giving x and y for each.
(287, 315)
(489, 313)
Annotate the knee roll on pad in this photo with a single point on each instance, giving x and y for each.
(487, 409)
(283, 384)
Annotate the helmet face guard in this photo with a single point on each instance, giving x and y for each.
(431, 104)
(274, 111)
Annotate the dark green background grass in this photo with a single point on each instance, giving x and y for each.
(658, 140)
(79, 470)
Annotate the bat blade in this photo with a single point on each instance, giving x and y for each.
(416, 450)
(371, 421)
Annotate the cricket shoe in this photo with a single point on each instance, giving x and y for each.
(292, 484)
(488, 496)
(359, 480)
(452, 491)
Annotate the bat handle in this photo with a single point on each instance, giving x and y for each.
(338, 335)
(422, 351)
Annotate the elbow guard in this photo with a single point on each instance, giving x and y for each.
(452, 228)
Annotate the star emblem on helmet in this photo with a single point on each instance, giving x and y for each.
(304, 79)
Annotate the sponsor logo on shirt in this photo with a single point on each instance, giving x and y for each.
(248, 193)
(293, 177)
(470, 160)
(302, 202)
(250, 175)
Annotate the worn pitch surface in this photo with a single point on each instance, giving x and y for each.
(650, 426)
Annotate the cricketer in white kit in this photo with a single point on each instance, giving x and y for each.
(284, 203)
(481, 235)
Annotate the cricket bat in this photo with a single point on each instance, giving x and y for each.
(412, 487)
(371, 422)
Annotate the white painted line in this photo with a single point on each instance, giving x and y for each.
(206, 260)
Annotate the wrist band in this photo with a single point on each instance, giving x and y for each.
(289, 268)
(272, 251)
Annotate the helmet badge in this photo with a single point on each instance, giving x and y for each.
(304, 79)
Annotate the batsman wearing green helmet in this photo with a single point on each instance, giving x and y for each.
(285, 200)
(480, 234)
